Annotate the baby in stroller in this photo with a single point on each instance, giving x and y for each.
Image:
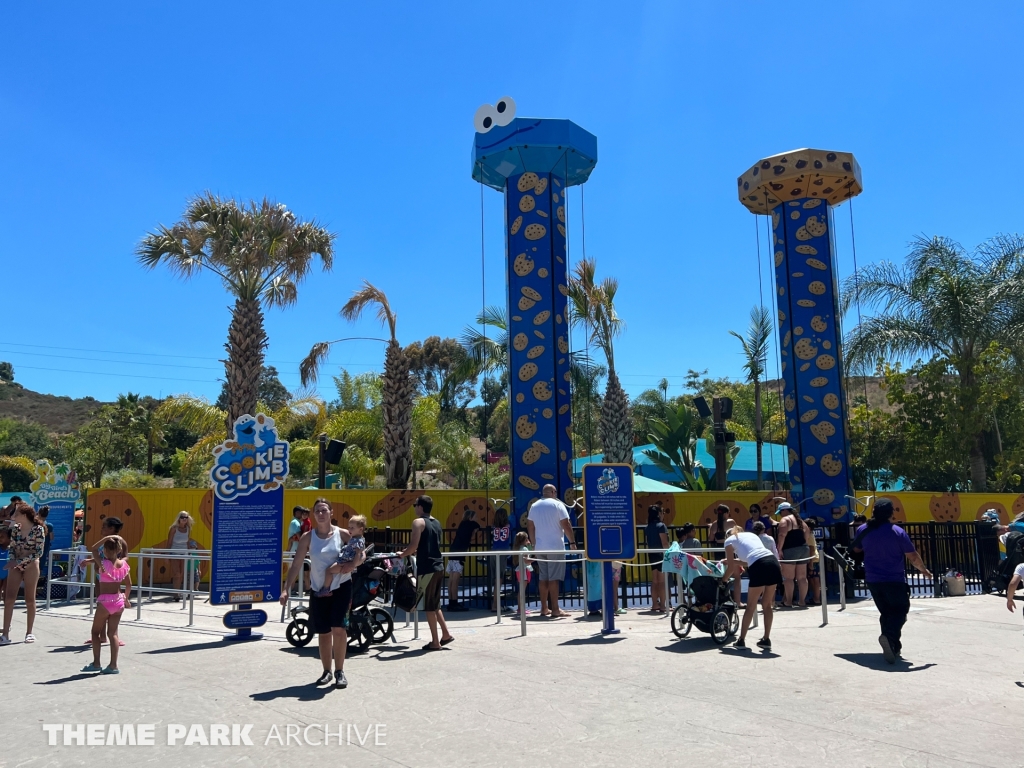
(706, 602)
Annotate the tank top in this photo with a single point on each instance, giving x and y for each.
(794, 538)
(180, 540)
(323, 553)
(428, 553)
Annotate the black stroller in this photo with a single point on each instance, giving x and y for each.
(708, 605)
(369, 622)
(999, 579)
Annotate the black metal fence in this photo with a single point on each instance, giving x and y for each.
(968, 549)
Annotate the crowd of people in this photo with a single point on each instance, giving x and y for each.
(775, 555)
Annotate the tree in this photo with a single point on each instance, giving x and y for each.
(755, 357)
(593, 306)
(488, 350)
(24, 438)
(269, 391)
(7, 372)
(647, 406)
(398, 386)
(675, 447)
(440, 367)
(111, 440)
(945, 304)
(16, 472)
(455, 454)
(261, 252)
(586, 404)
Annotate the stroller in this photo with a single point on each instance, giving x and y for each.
(706, 602)
(999, 579)
(368, 622)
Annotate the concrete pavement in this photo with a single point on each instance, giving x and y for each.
(563, 694)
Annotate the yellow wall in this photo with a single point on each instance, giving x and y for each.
(149, 513)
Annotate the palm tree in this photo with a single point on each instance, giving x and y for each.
(261, 252)
(593, 305)
(398, 385)
(755, 354)
(489, 352)
(946, 303)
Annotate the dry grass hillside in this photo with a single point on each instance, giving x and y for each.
(58, 414)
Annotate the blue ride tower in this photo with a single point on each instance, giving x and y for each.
(797, 189)
(533, 161)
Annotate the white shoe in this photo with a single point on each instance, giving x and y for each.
(30, 638)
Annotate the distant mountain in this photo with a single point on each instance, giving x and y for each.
(58, 414)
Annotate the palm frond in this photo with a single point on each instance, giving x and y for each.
(365, 296)
(195, 414)
(309, 368)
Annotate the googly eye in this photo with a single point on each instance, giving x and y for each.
(505, 109)
(485, 119)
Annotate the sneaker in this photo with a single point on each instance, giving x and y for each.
(340, 681)
(765, 643)
(739, 643)
(890, 656)
(325, 678)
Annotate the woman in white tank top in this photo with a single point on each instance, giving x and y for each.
(328, 613)
(178, 537)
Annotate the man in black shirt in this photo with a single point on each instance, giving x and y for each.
(463, 538)
(425, 542)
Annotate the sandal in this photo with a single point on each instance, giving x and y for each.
(110, 671)
(30, 638)
(430, 647)
(448, 641)
(92, 668)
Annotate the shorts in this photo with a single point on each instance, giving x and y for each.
(428, 589)
(657, 563)
(454, 565)
(331, 612)
(552, 567)
(796, 553)
(765, 572)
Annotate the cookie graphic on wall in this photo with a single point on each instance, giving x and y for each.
(394, 504)
(106, 503)
(945, 508)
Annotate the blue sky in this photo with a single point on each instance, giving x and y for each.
(360, 115)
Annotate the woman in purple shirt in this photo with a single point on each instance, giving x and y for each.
(885, 546)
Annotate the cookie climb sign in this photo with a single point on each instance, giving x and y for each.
(248, 474)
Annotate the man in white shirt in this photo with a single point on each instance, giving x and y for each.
(547, 523)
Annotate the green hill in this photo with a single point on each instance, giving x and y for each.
(58, 414)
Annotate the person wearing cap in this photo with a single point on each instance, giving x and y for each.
(885, 548)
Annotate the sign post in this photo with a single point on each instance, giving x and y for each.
(248, 476)
(608, 532)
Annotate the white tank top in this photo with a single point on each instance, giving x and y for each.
(323, 553)
(180, 540)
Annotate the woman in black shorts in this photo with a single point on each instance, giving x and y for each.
(328, 613)
(657, 538)
(763, 574)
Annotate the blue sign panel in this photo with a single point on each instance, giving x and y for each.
(243, 619)
(609, 530)
(56, 487)
(248, 513)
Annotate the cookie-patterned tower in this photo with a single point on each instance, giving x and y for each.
(797, 189)
(533, 161)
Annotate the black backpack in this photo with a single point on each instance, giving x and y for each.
(405, 593)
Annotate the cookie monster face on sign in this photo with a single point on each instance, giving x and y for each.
(256, 458)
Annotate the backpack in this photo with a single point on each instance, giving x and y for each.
(405, 593)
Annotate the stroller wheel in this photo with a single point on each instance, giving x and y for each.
(359, 636)
(381, 625)
(299, 633)
(681, 624)
(720, 626)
